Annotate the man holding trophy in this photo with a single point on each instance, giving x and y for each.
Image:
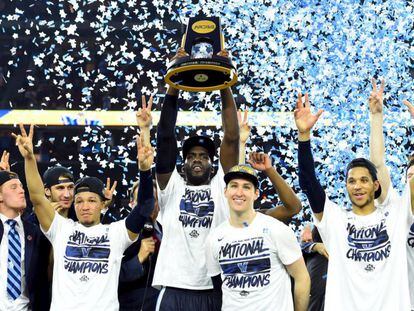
(190, 206)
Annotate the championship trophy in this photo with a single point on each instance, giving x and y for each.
(203, 70)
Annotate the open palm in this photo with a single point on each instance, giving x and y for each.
(304, 118)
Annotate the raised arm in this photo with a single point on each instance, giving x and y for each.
(42, 207)
(166, 140)
(140, 214)
(411, 181)
(144, 120)
(244, 129)
(291, 203)
(310, 185)
(376, 139)
(229, 148)
(300, 275)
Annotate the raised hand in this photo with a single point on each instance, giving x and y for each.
(410, 107)
(180, 54)
(109, 191)
(224, 53)
(145, 155)
(376, 98)
(244, 126)
(143, 115)
(25, 142)
(260, 161)
(304, 118)
(4, 162)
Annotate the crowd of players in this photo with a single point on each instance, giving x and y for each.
(193, 240)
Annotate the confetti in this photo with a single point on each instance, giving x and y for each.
(105, 54)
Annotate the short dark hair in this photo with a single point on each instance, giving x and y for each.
(362, 162)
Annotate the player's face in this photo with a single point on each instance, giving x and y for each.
(63, 193)
(88, 206)
(12, 195)
(361, 187)
(240, 194)
(197, 166)
(410, 172)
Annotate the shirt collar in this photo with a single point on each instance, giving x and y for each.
(18, 219)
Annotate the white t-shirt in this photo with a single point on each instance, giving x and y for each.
(187, 214)
(252, 262)
(367, 267)
(86, 267)
(410, 261)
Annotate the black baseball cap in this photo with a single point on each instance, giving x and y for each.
(242, 171)
(362, 162)
(202, 141)
(90, 184)
(51, 176)
(5, 176)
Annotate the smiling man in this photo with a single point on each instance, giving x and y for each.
(190, 205)
(367, 267)
(87, 254)
(59, 187)
(255, 253)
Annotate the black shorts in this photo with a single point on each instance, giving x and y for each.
(178, 299)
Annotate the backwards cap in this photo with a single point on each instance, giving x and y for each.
(5, 176)
(51, 176)
(90, 184)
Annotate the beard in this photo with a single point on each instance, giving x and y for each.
(198, 179)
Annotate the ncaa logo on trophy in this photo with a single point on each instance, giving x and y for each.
(202, 70)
